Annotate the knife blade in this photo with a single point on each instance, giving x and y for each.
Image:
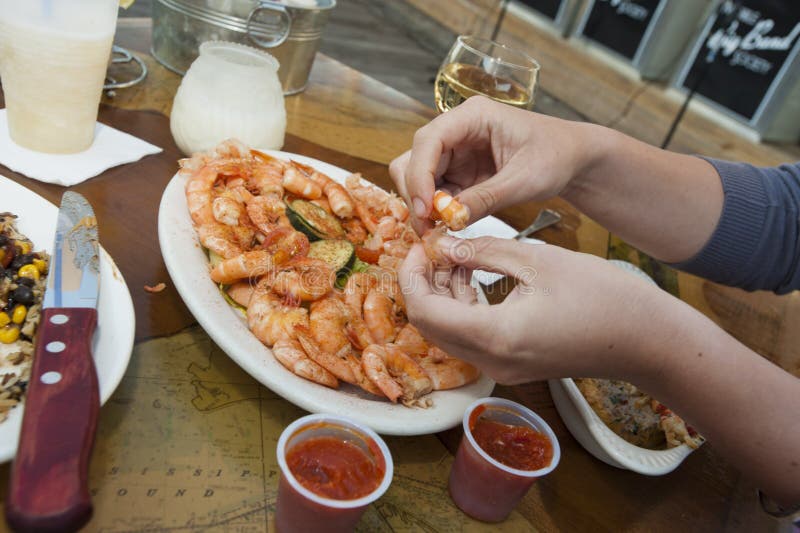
(49, 477)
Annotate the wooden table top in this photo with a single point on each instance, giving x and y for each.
(355, 122)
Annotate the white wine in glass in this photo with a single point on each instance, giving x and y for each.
(480, 66)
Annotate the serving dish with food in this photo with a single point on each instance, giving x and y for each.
(23, 277)
(622, 425)
(299, 287)
(113, 342)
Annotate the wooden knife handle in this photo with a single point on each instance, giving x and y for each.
(49, 477)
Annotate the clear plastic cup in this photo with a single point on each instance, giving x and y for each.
(300, 509)
(483, 487)
(53, 60)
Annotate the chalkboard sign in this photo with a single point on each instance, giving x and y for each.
(748, 54)
(548, 8)
(620, 25)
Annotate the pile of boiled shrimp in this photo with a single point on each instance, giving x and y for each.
(358, 334)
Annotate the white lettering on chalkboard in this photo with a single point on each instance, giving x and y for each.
(629, 9)
(730, 44)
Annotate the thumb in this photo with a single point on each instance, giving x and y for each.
(502, 256)
(488, 196)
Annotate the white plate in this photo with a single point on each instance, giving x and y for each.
(188, 266)
(598, 439)
(113, 340)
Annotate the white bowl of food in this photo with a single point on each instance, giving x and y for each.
(646, 438)
(601, 441)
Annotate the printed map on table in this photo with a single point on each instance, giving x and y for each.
(187, 443)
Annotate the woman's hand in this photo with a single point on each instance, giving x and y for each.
(492, 155)
(570, 314)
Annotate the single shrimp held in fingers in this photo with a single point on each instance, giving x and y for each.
(449, 210)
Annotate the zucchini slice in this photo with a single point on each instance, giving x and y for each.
(339, 254)
(313, 220)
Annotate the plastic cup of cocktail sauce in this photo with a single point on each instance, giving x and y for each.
(298, 507)
(482, 486)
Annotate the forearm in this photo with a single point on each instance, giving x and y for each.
(747, 408)
(666, 204)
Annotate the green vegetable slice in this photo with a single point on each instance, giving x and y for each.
(313, 221)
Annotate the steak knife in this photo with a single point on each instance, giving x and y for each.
(49, 477)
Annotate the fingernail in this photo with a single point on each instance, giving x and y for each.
(419, 208)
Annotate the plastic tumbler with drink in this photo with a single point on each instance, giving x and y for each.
(332, 468)
(505, 448)
(53, 60)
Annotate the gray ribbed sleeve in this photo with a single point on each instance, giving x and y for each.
(755, 245)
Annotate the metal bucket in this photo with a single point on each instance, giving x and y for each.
(289, 32)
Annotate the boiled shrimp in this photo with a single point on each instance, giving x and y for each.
(304, 279)
(227, 210)
(286, 242)
(448, 372)
(296, 182)
(252, 264)
(356, 289)
(410, 340)
(335, 326)
(199, 193)
(270, 318)
(220, 239)
(241, 292)
(336, 363)
(379, 316)
(452, 212)
(354, 230)
(268, 213)
(395, 373)
(430, 242)
(290, 353)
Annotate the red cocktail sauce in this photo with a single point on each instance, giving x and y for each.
(517, 447)
(482, 489)
(333, 468)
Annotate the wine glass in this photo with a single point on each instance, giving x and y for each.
(480, 66)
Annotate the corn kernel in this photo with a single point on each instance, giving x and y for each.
(19, 314)
(4, 319)
(29, 271)
(24, 247)
(41, 265)
(2, 253)
(9, 334)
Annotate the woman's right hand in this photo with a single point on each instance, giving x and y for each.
(492, 156)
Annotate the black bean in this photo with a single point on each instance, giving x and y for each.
(21, 260)
(3, 239)
(26, 281)
(23, 295)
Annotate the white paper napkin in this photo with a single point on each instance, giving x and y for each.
(110, 148)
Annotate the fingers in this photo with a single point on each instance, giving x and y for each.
(431, 152)
(443, 319)
(503, 256)
(460, 286)
(397, 170)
